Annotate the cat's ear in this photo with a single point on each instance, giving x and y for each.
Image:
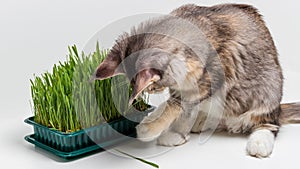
(108, 68)
(143, 79)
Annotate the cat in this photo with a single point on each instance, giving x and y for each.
(220, 66)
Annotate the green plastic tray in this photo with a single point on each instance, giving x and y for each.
(93, 139)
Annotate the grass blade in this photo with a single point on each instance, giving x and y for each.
(139, 159)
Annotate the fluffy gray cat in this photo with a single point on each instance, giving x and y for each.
(221, 68)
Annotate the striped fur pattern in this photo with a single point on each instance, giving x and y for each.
(232, 60)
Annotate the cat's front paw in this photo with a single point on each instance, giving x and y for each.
(172, 139)
(147, 131)
(260, 143)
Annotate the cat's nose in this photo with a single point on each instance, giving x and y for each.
(92, 78)
(130, 101)
(137, 90)
(143, 79)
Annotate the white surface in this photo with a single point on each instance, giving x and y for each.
(35, 34)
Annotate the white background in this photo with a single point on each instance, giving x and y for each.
(34, 35)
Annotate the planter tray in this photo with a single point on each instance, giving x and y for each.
(76, 153)
(93, 139)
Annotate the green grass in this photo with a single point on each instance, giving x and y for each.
(67, 101)
(139, 159)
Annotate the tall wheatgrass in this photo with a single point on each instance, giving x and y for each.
(66, 100)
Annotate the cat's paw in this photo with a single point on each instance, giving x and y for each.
(172, 139)
(147, 131)
(260, 143)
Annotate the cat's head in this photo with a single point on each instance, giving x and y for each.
(151, 62)
(159, 54)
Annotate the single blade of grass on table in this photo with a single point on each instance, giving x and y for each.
(139, 159)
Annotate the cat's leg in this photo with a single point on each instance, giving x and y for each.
(179, 131)
(261, 141)
(172, 138)
(160, 120)
(199, 123)
(266, 126)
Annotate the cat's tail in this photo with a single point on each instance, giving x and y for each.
(290, 113)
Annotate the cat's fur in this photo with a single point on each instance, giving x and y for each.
(225, 77)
